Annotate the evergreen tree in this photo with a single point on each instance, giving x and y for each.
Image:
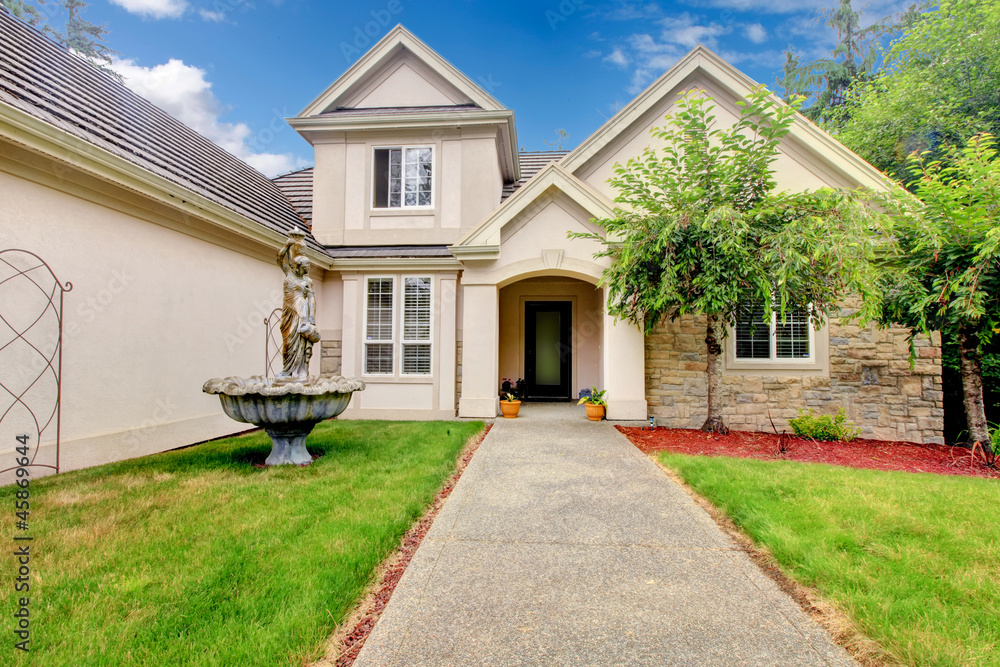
(855, 58)
(81, 37)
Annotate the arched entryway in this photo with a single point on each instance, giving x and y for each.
(551, 335)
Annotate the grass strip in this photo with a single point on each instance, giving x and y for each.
(912, 559)
(195, 557)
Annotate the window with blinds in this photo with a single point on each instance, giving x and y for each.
(753, 334)
(791, 337)
(417, 326)
(378, 327)
(398, 325)
(758, 338)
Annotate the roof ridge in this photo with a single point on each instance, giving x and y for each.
(294, 171)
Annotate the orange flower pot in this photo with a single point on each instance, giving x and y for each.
(595, 413)
(509, 409)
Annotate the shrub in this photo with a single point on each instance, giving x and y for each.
(824, 427)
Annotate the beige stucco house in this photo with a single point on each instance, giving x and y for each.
(440, 253)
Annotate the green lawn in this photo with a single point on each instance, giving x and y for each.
(912, 559)
(194, 557)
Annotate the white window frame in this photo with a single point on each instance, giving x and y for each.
(398, 314)
(393, 324)
(773, 359)
(402, 202)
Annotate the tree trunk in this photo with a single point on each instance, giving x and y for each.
(972, 387)
(714, 423)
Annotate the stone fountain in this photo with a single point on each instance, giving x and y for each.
(289, 405)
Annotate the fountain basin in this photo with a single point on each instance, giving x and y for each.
(286, 408)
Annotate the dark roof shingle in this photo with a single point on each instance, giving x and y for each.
(44, 80)
(532, 162)
(298, 189)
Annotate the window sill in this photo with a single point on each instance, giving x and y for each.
(398, 379)
(392, 212)
(811, 367)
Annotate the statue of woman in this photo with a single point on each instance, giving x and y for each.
(298, 309)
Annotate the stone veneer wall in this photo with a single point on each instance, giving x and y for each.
(330, 356)
(870, 376)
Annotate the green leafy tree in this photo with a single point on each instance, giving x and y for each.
(80, 36)
(939, 86)
(949, 267)
(700, 230)
(826, 81)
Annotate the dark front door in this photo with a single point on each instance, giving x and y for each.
(548, 348)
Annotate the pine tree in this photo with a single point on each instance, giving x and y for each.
(79, 36)
(855, 58)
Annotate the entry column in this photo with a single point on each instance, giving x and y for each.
(480, 352)
(624, 358)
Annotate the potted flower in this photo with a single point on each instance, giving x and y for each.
(595, 404)
(510, 397)
(509, 406)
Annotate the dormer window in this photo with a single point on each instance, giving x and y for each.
(402, 177)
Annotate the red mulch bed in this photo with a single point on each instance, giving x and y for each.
(871, 454)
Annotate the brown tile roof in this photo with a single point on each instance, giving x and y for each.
(532, 162)
(297, 187)
(41, 78)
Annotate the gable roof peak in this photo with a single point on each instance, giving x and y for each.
(396, 41)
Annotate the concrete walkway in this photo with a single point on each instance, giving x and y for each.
(563, 545)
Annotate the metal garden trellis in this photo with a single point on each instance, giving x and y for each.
(22, 273)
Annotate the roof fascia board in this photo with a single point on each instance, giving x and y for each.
(400, 36)
(553, 175)
(317, 126)
(416, 119)
(466, 253)
(739, 84)
(45, 139)
(394, 263)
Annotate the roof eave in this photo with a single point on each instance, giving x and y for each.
(45, 139)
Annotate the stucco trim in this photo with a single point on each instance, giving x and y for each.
(318, 129)
(553, 176)
(397, 263)
(701, 59)
(399, 38)
(45, 139)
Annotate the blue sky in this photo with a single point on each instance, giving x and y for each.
(233, 69)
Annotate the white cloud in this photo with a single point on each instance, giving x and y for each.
(183, 92)
(209, 15)
(755, 32)
(687, 30)
(617, 58)
(653, 54)
(157, 9)
(630, 11)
